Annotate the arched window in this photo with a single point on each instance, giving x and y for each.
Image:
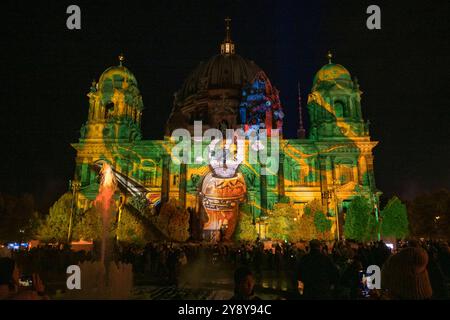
(346, 173)
(109, 109)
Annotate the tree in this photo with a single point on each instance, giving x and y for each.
(394, 219)
(360, 224)
(89, 226)
(281, 221)
(312, 207)
(304, 228)
(245, 229)
(322, 224)
(56, 225)
(130, 229)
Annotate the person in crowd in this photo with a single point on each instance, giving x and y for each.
(437, 278)
(317, 272)
(244, 284)
(443, 257)
(9, 283)
(404, 275)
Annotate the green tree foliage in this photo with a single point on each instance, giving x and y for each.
(360, 224)
(316, 224)
(245, 229)
(285, 222)
(322, 223)
(394, 219)
(55, 227)
(313, 207)
(131, 229)
(281, 221)
(89, 226)
(173, 220)
(304, 228)
(285, 199)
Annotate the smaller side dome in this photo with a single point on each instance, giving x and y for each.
(119, 78)
(332, 72)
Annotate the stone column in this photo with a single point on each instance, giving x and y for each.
(370, 172)
(165, 186)
(323, 178)
(182, 188)
(313, 168)
(363, 174)
(281, 191)
(355, 171)
(263, 192)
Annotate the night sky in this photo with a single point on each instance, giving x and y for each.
(403, 70)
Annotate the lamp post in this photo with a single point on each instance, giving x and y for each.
(75, 185)
(375, 205)
(331, 194)
(436, 221)
(336, 208)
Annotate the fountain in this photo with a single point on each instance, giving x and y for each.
(104, 203)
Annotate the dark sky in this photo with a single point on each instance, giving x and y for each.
(403, 70)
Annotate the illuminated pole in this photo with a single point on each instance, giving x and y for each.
(75, 186)
(375, 206)
(375, 202)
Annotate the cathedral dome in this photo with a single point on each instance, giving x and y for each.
(332, 72)
(222, 71)
(122, 79)
(117, 77)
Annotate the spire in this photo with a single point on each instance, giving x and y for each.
(227, 46)
(227, 29)
(329, 56)
(93, 85)
(301, 129)
(121, 59)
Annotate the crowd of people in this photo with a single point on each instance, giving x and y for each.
(313, 270)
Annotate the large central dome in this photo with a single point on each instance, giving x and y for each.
(213, 91)
(222, 71)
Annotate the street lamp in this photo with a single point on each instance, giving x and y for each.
(375, 205)
(436, 220)
(329, 194)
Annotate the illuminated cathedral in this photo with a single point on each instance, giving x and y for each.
(333, 162)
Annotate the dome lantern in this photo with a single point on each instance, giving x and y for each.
(227, 46)
(121, 59)
(329, 56)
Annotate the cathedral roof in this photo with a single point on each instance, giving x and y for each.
(222, 71)
(119, 78)
(226, 70)
(330, 72)
(118, 75)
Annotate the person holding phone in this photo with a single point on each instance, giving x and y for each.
(10, 288)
